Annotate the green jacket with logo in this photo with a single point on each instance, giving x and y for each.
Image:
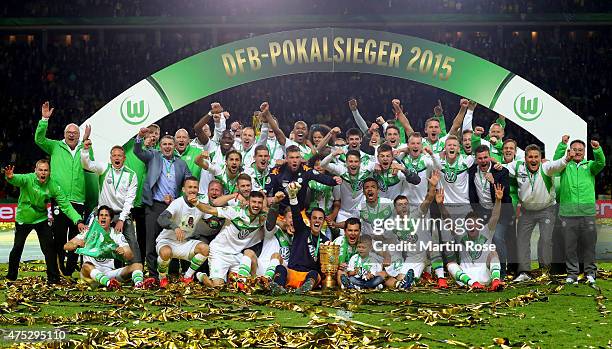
(577, 187)
(133, 162)
(34, 197)
(66, 169)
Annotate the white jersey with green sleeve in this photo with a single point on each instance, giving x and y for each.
(455, 178)
(471, 255)
(415, 234)
(372, 264)
(423, 166)
(240, 232)
(390, 185)
(375, 214)
(350, 192)
(184, 216)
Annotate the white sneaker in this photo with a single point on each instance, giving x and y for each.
(571, 281)
(590, 280)
(523, 277)
(380, 287)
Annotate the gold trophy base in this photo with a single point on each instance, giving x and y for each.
(329, 282)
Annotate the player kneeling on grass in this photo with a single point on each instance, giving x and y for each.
(303, 271)
(101, 270)
(479, 263)
(242, 231)
(365, 268)
(407, 272)
(178, 222)
(348, 248)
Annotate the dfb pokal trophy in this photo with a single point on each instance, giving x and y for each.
(329, 265)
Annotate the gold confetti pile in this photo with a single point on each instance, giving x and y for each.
(197, 304)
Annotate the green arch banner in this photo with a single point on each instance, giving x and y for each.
(332, 50)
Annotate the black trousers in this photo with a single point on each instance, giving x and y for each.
(45, 239)
(153, 230)
(140, 226)
(63, 231)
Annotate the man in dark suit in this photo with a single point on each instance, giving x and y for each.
(482, 175)
(165, 175)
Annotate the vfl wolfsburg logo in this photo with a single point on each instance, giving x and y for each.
(134, 112)
(243, 234)
(450, 176)
(475, 255)
(527, 109)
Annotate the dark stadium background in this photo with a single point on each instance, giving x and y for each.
(80, 54)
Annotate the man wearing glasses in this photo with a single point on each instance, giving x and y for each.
(69, 175)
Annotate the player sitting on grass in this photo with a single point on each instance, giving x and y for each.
(303, 271)
(365, 268)
(418, 235)
(101, 271)
(479, 263)
(348, 248)
(178, 222)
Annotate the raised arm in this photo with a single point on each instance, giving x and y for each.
(401, 117)
(327, 163)
(198, 128)
(16, 180)
(499, 194)
(431, 192)
(561, 147)
(280, 136)
(361, 123)
(145, 155)
(88, 164)
(469, 116)
(224, 199)
(273, 210)
(325, 141)
(438, 114)
(599, 161)
(458, 121)
(556, 166)
(40, 136)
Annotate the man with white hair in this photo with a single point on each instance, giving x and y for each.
(69, 175)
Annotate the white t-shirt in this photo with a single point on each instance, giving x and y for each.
(240, 233)
(372, 263)
(184, 216)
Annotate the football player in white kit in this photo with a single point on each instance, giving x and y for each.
(102, 271)
(479, 263)
(179, 221)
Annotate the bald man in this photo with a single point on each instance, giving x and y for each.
(70, 176)
(187, 152)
